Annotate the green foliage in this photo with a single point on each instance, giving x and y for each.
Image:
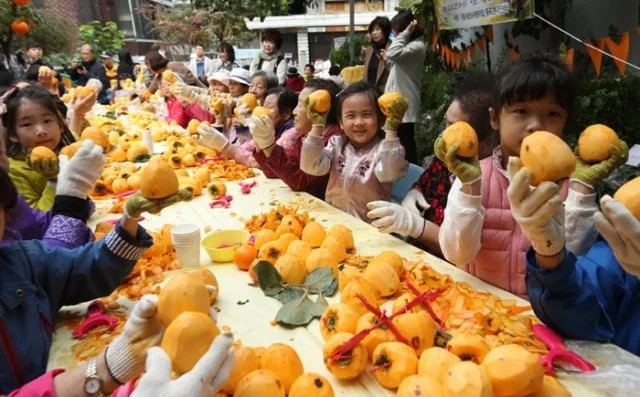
(341, 55)
(53, 34)
(436, 95)
(107, 37)
(59, 60)
(9, 13)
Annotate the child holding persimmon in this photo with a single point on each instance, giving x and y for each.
(478, 232)
(594, 296)
(364, 162)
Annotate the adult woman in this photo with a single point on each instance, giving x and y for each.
(125, 64)
(376, 66)
(226, 58)
(270, 59)
(157, 63)
(407, 53)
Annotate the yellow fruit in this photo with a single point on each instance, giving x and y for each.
(467, 379)
(338, 317)
(629, 195)
(260, 111)
(311, 385)
(352, 364)
(245, 360)
(469, 347)
(41, 152)
(336, 248)
(300, 249)
(392, 362)
(344, 234)
(513, 370)
(313, 234)
(464, 135)
(321, 257)
(284, 362)
(209, 280)
(386, 100)
(418, 329)
(320, 100)
(264, 236)
(383, 278)
(187, 338)
(183, 293)
(551, 388)
(289, 224)
(137, 152)
(416, 385)
(547, 156)
(250, 100)
(595, 141)
(391, 258)
(350, 292)
(96, 135)
(291, 269)
(260, 383)
(377, 335)
(158, 180)
(435, 362)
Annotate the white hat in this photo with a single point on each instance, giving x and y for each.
(221, 76)
(240, 75)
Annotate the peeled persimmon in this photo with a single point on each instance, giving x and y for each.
(244, 255)
(320, 101)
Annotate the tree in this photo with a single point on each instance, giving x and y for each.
(107, 37)
(53, 35)
(15, 20)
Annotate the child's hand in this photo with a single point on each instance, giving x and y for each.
(47, 167)
(591, 174)
(79, 175)
(539, 211)
(395, 114)
(212, 138)
(137, 204)
(394, 218)
(466, 169)
(622, 231)
(317, 118)
(126, 355)
(206, 378)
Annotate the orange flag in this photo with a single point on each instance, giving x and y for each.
(481, 44)
(513, 54)
(456, 59)
(472, 51)
(434, 38)
(620, 50)
(570, 57)
(489, 33)
(596, 57)
(465, 57)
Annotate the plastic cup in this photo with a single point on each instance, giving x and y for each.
(186, 241)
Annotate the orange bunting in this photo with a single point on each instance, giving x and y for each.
(596, 56)
(465, 57)
(570, 58)
(489, 34)
(638, 30)
(481, 45)
(513, 54)
(472, 51)
(620, 50)
(456, 60)
(434, 38)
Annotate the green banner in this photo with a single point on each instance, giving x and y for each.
(458, 14)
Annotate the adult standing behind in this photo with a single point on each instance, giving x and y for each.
(294, 82)
(270, 59)
(125, 64)
(89, 68)
(201, 65)
(157, 63)
(376, 67)
(34, 54)
(407, 53)
(226, 58)
(110, 67)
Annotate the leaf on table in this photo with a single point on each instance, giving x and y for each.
(319, 280)
(320, 306)
(268, 278)
(288, 294)
(297, 312)
(331, 289)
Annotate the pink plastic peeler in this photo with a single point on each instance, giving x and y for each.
(224, 201)
(558, 351)
(245, 187)
(95, 317)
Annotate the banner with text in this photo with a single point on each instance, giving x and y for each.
(459, 14)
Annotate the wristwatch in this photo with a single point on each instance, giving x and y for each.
(92, 382)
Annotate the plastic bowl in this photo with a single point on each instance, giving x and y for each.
(220, 245)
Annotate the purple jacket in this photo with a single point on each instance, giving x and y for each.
(26, 223)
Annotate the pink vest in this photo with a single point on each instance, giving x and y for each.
(501, 259)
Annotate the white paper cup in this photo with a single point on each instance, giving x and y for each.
(185, 233)
(188, 254)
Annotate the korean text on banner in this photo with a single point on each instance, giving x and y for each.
(458, 14)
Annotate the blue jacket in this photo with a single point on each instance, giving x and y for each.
(36, 281)
(588, 297)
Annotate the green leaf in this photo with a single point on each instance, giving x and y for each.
(331, 289)
(268, 278)
(298, 312)
(319, 279)
(288, 294)
(320, 306)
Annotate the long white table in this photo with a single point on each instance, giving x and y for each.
(252, 322)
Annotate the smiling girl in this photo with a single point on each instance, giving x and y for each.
(363, 164)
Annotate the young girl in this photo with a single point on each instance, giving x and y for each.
(478, 232)
(31, 120)
(361, 165)
(261, 82)
(279, 156)
(471, 102)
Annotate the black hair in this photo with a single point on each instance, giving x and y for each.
(334, 70)
(474, 93)
(9, 196)
(272, 35)
(155, 61)
(400, 22)
(228, 49)
(33, 44)
(362, 87)
(532, 79)
(124, 56)
(42, 97)
(270, 78)
(287, 99)
(310, 66)
(383, 23)
(199, 45)
(332, 87)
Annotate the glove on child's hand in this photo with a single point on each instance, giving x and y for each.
(137, 204)
(46, 167)
(125, 356)
(394, 218)
(591, 174)
(317, 118)
(395, 114)
(414, 201)
(539, 211)
(79, 175)
(622, 231)
(207, 377)
(466, 169)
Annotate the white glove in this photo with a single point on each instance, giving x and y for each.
(394, 218)
(622, 231)
(414, 201)
(125, 356)
(78, 175)
(243, 113)
(212, 138)
(207, 377)
(539, 211)
(262, 131)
